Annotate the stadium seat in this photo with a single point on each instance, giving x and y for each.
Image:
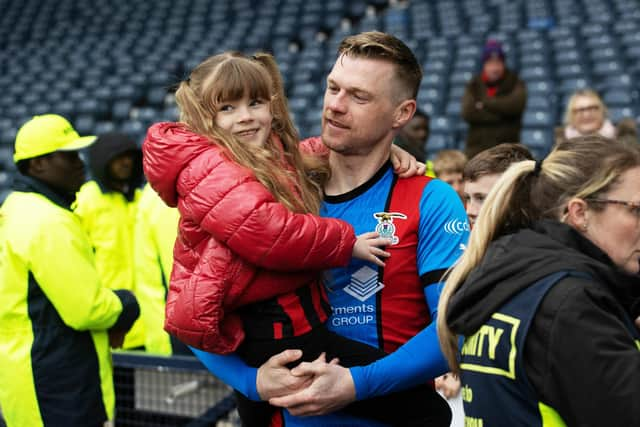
(537, 119)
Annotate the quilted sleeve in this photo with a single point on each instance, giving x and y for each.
(231, 204)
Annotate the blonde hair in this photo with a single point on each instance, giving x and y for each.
(590, 93)
(229, 76)
(386, 47)
(449, 161)
(582, 167)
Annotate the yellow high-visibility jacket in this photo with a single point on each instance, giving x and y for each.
(55, 362)
(155, 234)
(109, 219)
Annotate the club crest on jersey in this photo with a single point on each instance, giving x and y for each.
(385, 227)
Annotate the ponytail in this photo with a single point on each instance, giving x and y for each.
(504, 210)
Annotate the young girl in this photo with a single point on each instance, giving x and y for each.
(249, 253)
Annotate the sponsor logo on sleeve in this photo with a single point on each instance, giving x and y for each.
(456, 226)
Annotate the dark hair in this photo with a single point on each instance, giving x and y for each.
(495, 160)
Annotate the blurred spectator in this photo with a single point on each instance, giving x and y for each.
(586, 114)
(414, 135)
(156, 229)
(56, 318)
(493, 103)
(448, 166)
(107, 207)
(481, 173)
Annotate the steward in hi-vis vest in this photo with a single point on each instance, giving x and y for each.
(56, 319)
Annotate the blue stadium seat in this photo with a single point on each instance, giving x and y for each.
(542, 88)
(540, 140)
(537, 119)
(570, 71)
(538, 102)
(532, 60)
(607, 68)
(573, 84)
(617, 98)
(618, 113)
(439, 141)
(533, 73)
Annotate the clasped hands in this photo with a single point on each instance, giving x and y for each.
(310, 388)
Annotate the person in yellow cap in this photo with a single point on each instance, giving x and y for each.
(56, 319)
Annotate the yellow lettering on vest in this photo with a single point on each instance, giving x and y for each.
(494, 339)
(466, 393)
(469, 346)
(474, 345)
(473, 422)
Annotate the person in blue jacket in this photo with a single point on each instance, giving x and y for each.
(371, 93)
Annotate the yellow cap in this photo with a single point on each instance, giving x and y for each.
(46, 134)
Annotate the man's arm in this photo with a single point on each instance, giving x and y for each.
(272, 379)
(442, 236)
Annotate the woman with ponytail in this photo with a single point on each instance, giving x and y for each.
(546, 293)
(251, 249)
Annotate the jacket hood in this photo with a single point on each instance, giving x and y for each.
(515, 261)
(168, 148)
(107, 147)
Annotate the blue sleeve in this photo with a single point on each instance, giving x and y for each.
(231, 370)
(415, 362)
(443, 234)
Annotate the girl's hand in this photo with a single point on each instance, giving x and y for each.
(404, 164)
(368, 246)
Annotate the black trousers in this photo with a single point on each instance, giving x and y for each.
(419, 406)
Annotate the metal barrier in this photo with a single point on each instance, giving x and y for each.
(157, 391)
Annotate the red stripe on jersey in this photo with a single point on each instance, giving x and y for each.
(403, 307)
(277, 419)
(277, 330)
(290, 303)
(319, 297)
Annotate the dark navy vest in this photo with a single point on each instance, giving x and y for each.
(495, 388)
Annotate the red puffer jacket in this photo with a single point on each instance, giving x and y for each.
(236, 245)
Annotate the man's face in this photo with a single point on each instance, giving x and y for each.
(63, 170)
(475, 192)
(493, 69)
(121, 167)
(358, 111)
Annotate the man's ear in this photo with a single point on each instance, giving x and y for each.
(577, 214)
(403, 113)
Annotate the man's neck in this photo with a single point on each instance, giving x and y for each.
(348, 172)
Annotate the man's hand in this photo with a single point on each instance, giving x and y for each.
(275, 379)
(404, 164)
(332, 388)
(116, 339)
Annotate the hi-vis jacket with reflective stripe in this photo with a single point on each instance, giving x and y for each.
(55, 364)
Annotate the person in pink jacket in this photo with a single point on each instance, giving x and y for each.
(251, 249)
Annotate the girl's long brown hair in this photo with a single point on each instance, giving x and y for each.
(228, 77)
